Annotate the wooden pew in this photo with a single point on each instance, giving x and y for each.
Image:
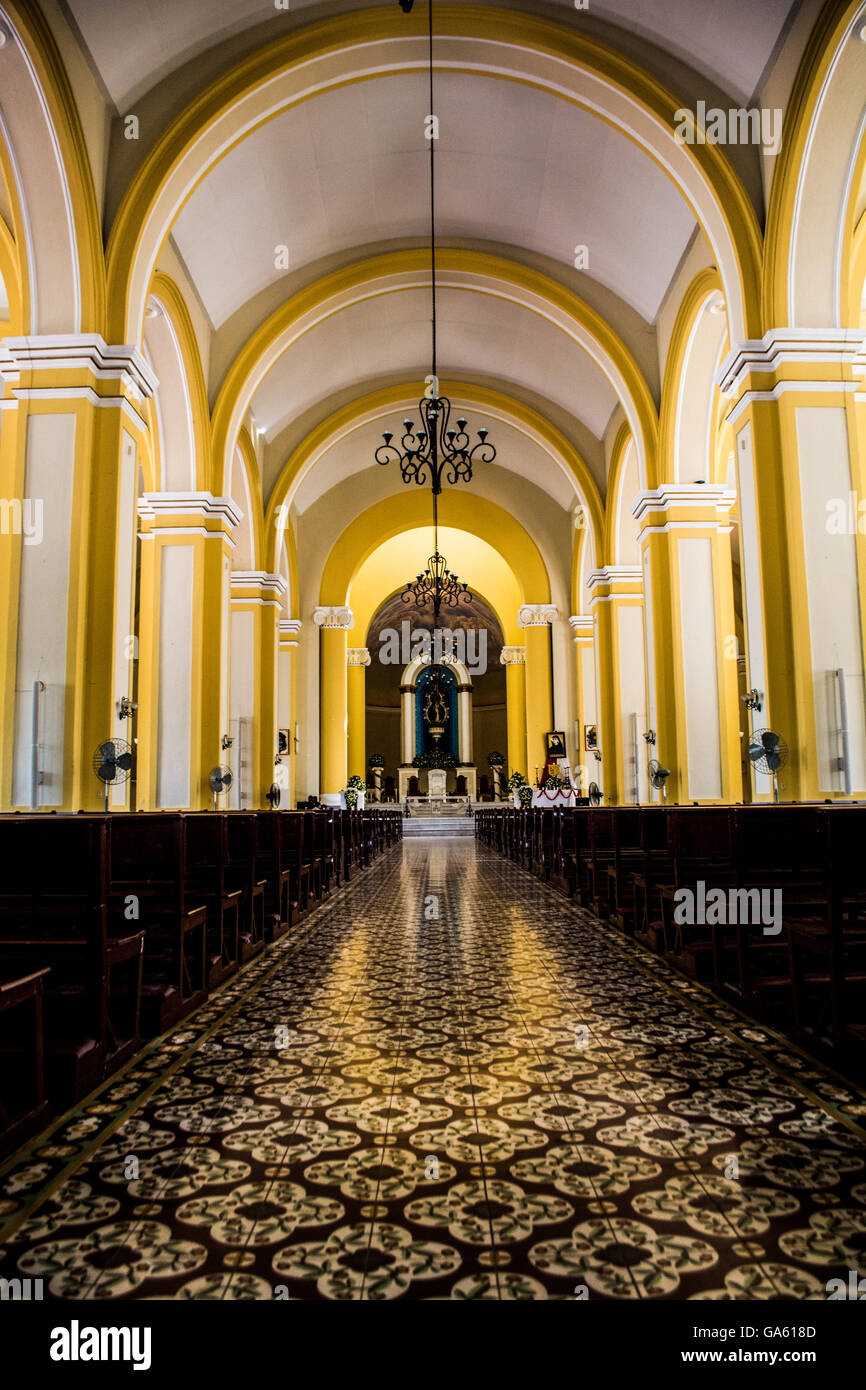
(54, 912)
(243, 871)
(701, 846)
(147, 861)
(276, 872)
(23, 1106)
(207, 879)
(292, 826)
(827, 948)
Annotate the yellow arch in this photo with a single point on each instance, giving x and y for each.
(10, 269)
(705, 283)
(460, 510)
(164, 289)
(45, 56)
(855, 276)
(342, 421)
(254, 485)
(611, 500)
(490, 573)
(800, 113)
(717, 187)
(272, 337)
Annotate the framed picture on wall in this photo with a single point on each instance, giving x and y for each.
(590, 736)
(555, 745)
(282, 742)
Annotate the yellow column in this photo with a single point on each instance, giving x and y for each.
(514, 661)
(587, 704)
(801, 485)
(335, 623)
(260, 595)
(358, 660)
(73, 424)
(287, 706)
(184, 673)
(535, 619)
(612, 589)
(692, 678)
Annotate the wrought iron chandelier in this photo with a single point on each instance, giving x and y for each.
(437, 583)
(426, 450)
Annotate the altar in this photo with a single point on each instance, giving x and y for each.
(436, 785)
(565, 796)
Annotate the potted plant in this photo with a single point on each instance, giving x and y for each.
(495, 760)
(524, 795)
(514, 783)
(354, 794)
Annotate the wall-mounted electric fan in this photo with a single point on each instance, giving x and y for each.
(594, 794)
(658, 777)
(112, 763)
(768, 752)
(272, 796)
(219, 780)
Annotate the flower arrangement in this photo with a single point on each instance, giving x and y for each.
(376, 760)
(351, 795)
(525, 792)
(495, 760)
(552, 783)
(357, 783)
(516, 781)
(436, 759)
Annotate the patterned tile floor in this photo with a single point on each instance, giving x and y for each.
(451, 1084)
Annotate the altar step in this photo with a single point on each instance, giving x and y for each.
(436, 827)
(439, 810)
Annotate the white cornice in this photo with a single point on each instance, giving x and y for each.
(65, 352)
(781, 345)
(614, 574)
(258, 579)
(153, 504)
(668, 498)
(581, 625)
(290, 627)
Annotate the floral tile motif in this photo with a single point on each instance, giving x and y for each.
(509, 1101)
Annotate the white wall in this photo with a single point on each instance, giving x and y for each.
(43, 607)
(175, 676)
(632, 685)
(832, 590)
(240, 758)
(700, 668)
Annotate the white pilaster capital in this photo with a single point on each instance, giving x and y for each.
(357, 656)
(537, 615)
(69, 352)
(339, 618)
(513, 656)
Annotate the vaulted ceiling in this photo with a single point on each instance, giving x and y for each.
(343, 175)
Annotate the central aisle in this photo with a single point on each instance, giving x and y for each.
(452, 1084)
